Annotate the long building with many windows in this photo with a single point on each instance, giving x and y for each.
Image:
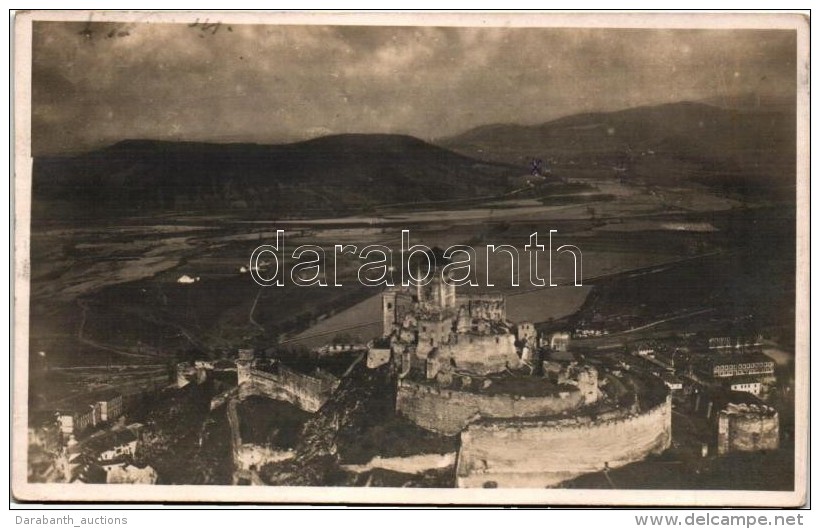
(723, 366)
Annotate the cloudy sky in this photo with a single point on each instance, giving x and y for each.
(95, 84)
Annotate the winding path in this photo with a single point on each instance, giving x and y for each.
(253, 309)
(91, 343)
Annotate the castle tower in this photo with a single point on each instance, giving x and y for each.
(464, 323)
(182, 371)
(243, 372)
(447, 294)
(437, 294)
(388, 312)
(243, 366)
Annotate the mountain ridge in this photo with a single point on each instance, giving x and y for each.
(741, 152)
(742, 149)
(327, 175)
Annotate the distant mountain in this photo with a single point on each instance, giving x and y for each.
(752, 102)
(745, 150)
(327, 175)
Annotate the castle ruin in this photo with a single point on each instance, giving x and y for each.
(517, 401)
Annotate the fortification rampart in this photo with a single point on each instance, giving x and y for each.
(414, 464)
(448, 411)
(252, 456)
(481, 354)
(307, 392)
(223, 397)
(748, 432)
(543, 453)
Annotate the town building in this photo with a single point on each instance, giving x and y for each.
(748, 384)
(526, 334)
(75, 419)
(112, 446)
(110, 404)
(722, 366)
(559, 341)
(739, 343)
(673, 382)
(131, 474)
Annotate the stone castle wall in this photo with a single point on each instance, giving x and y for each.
(482, 354)
(252, 456)
(432, 333)
(378, 356)
(532, 453)
(747, 432)
(448, 411)
(307, 392)
(488, 306)
(223, 397)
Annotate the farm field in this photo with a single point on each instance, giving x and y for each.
(106, 293)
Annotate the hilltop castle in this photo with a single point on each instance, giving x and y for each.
(438, 340)
(464, 369)
(433, 330)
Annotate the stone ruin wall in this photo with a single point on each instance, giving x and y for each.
(432, 333)
(224, 397)
(484, 306)
(747, 432)
(545, 453)
(249, 456)
(307, 392)
(448, 411)
(378, 356)
(482, 354)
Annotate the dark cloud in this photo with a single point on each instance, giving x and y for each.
(98, 83)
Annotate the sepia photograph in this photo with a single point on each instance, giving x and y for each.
(411, 258)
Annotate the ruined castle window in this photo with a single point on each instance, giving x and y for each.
(389, 306)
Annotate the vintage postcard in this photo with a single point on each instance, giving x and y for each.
(411, 258)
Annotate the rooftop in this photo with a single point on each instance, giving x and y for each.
(735, 358)
(723, 397)
(82, 402)
(561, 356)
(744, 379)
(107, 395)
(110, 440)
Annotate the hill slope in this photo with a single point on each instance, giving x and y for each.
(332, 174)
(748, 151)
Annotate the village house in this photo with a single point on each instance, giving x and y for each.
(131, 473)
(83, 414)
(112, 446)
(75, 419)
(749, 384)
(110, 404)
